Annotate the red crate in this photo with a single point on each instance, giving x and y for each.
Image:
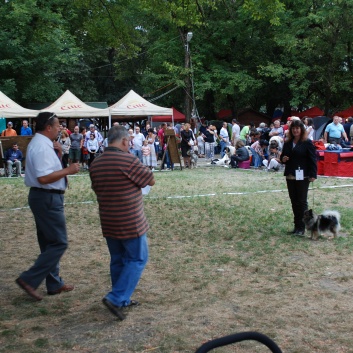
(320, 162)
(338, 163)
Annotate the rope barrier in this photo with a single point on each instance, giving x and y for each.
(198, 195)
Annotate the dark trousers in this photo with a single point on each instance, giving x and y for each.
(48, 211)
(65, 159)
(234, 160)
(298, 194)
(92, 156)
(334, 140)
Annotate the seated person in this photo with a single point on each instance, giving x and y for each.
(274, 161)
(277, 130)
(241, 154)
(254, 136)
(13, 156)
(258, 152)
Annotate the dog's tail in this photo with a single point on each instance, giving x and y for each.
(333, 214)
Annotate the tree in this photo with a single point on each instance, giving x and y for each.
(36, 48)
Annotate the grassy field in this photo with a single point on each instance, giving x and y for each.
(220, 263)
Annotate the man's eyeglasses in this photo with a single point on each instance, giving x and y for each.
(52, 117)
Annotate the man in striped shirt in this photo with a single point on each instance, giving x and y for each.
(117, 177)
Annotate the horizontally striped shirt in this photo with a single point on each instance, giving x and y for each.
(117, 178)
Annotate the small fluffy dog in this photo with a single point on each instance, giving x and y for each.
(318, 224)
(193, 157)
(279, 141)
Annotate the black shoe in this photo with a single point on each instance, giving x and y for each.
(115, 310)
(132, 304)
(299, 232)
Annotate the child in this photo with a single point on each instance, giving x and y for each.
(131, 140)
(273, 162)
(92, 147)
(146, 154)
(201, 145)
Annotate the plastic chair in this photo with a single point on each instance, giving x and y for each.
(244, 164)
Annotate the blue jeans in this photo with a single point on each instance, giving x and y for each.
(256, 159)
(223, 146)
(48, 212)
(128, 258)
(138, 154)
(167, 160)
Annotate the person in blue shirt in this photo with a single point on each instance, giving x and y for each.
(25, 129)
(13, 157)
(335, 131)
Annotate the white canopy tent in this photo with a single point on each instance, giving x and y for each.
(134, 106)
(10, 109)
(69, 106)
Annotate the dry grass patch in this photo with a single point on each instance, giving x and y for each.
(219, 264)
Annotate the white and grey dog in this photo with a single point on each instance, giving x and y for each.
(193, 158)
(230, 150)
(328, 221)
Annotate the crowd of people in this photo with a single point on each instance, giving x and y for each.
(262, 145)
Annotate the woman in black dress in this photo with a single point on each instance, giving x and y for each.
(299, 158)
(187, 142)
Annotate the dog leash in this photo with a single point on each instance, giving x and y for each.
(312, 188)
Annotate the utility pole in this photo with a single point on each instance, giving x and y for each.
(189, 91)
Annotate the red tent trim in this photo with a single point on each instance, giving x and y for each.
(178, 117)
(224, 113)
(346, 113)
(311, 113)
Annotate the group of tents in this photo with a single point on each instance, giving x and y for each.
(131, 107)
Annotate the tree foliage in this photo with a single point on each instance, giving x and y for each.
(250, 53)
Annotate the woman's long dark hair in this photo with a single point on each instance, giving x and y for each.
(309, 121)
(297, 123)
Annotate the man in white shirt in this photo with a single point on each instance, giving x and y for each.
(224, 138)
(137, 143)
(235, 131)
(47, 181)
